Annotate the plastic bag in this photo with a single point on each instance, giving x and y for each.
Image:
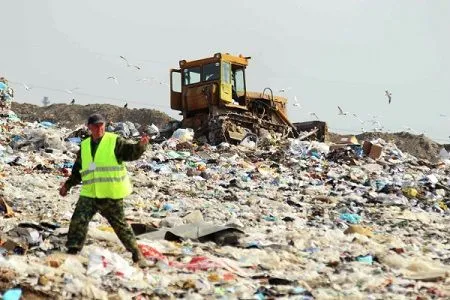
(153, 130)
(103, 262)
(151, 253)
(122, 129)
(201, 263)
(184, 135)
(444, 154)
(249, 142)
(12, 294)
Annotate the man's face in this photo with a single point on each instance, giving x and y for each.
(97, 130)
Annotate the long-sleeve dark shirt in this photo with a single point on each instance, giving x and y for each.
(124, 152)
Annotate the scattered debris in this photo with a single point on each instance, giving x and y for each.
(263, 219)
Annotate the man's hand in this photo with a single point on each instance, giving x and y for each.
(145, 139)
(63, 190)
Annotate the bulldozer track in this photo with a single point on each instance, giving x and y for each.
(219, 126)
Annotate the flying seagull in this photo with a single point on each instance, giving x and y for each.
(26, 87)
(341, 112)
(314, 115)
(410, 129)
(126, 105)
(71, 90)
(357, 118)
(376, 122)
(284, 90)
(113, 78)
(72, 102)
(297, 103)
(128, 64)
(388, 95)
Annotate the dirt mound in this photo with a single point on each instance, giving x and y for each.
(73, 115)
(417, 145)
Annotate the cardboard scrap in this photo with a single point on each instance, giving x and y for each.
(374, 151)
(4, 206)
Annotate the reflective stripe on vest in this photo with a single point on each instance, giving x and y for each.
(102, 169)
(102, 176)
(103, 179)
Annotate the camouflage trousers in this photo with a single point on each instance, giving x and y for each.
(112, 210)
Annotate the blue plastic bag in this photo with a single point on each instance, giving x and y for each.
(12, 294)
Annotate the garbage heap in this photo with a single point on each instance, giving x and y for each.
(6, 97)
(260, 220)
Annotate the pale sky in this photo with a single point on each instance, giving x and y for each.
(328, 53)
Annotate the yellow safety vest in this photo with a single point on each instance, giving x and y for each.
(102, 176)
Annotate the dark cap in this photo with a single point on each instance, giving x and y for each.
(95, 119)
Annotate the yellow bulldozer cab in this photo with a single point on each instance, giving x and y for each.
(224, 72)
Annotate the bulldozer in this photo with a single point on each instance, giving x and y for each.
(211, 95)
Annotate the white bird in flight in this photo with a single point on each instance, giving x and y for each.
(372, 117)
(151, 80)
(377, 123)
(128, 64)
(284, 90)
(113, 78)
(296, 102)
(341, 112)
(71, 90)
(410, 129)
(314, 115)
(26, 87)
(357, 118)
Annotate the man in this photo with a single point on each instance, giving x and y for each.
(99, 166)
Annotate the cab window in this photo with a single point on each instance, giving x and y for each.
(191, 75)
(239, 81)
(226, 72)
(211, 72)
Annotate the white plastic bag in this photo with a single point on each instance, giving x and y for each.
(248, 143)
(184, 135)
(153, 130)
(102, 262)
(444, 154)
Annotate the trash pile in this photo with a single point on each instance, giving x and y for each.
(259, 220)
(131, 130)
(6, 97)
